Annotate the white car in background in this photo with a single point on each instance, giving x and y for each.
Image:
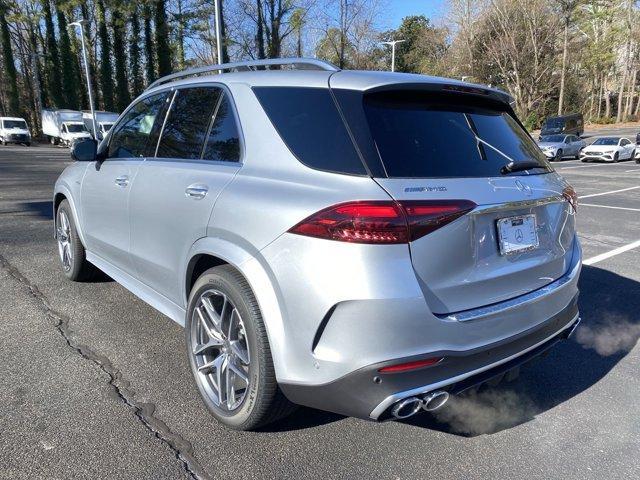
(609, 149)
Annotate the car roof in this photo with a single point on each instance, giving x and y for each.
(12, 118)
(346, 79)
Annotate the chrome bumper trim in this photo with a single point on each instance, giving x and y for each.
(516, 302)
(391, 399)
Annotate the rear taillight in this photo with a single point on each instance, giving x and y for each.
(382, 222)
(571, 196)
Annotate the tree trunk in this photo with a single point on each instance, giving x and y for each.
(90, 53)
(54, 85)
(122, 97)
(162, 40)
(68, 61)
(13, 107)
(149, 51)
(106, 82)
(223, 34)
(563, 73)
(134, 54)
(180, 37)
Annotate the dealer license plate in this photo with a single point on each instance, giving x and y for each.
(517, 234)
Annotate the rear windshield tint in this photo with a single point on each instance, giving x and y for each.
(420, 136)
(308, 121)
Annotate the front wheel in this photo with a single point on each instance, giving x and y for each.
(70, 248)
(229, 352)
(616, 157)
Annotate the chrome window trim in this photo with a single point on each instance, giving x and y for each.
(391, 399)
(497, 207)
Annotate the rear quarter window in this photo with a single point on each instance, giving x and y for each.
(309, 122)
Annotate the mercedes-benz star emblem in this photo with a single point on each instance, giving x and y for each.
(519, 236)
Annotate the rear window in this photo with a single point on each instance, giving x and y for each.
(309, 122)
(419, 136)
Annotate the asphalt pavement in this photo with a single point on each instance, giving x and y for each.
(95, 383)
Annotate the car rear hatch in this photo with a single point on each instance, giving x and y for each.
(449, 149)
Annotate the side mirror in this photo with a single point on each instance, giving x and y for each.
(84, 150)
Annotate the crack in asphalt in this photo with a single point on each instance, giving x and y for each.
(181, 447)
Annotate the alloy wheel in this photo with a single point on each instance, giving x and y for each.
(63, 234)
(220, 349)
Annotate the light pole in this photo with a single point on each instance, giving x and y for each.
(393, 44)
(218, 9)
(80, 24)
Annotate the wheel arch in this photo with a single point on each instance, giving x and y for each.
(210, 252)
(62, 193)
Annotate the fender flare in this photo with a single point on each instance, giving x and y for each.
(62, 189)
(257, 275)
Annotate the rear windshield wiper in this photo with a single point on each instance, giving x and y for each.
(519, 166)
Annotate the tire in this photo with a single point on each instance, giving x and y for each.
(558, 157)
(633, 155)
(616, 157)
(242, 341)
(70, 249)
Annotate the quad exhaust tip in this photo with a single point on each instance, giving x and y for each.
(410, 406)
(435, 400)
(406, 408)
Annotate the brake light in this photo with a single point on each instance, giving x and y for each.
(405, 367)
(382, 222)
(571, 196)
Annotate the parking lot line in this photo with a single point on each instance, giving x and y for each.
(610, 206)
(612, 253)
(607, 193)
(592, 166)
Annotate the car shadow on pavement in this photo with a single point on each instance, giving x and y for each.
(610, 328)
(43, 210)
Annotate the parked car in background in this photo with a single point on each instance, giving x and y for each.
(367, 243)
(104, 122)
(567, 124)
(557, 147)
(63, 126)
(609, 149)
(14, 130)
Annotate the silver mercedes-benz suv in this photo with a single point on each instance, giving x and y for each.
(366, 243)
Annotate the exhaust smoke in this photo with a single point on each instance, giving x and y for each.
(613, 335)
(485, 412)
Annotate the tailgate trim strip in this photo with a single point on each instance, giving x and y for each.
(476, 313)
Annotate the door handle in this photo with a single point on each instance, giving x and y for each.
(196, 191)
(122, 181)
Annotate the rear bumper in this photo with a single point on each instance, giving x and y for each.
(368, 394)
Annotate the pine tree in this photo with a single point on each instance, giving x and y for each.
(70, 87)
(106, 84)
(162, 39)
(122, 97)
(52, 67)
(149, 50)
(9, 65)
(134, 54)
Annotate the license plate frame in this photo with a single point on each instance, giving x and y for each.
(517, 234)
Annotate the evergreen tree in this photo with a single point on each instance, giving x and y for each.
(9, 65)
(106, 84)
(52, 67)
(162, 39)
(122, 97)
(149, 50)
(134, 54)
(70, 87)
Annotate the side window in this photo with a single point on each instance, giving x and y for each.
(185, 129)
(624, 142)
(568, 139)
(223, 143)
(131, 135)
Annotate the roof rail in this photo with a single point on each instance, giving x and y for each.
(298, 63)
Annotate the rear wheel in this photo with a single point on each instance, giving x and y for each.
(70, 249)
(229, 352)
(558, 156)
